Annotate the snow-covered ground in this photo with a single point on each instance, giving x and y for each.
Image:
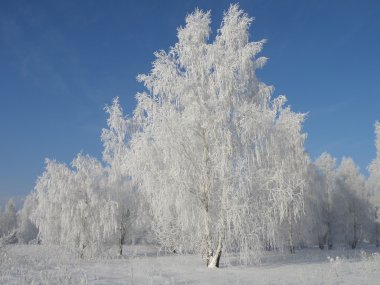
(33, 264)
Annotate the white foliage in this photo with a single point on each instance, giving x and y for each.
(374, 173)
(26, 230)
(373, 184)
(8, 218)
(215, 157)
(326, 165)
(351, 203)
(119, 185)
(72, 211)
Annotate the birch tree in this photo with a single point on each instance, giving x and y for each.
(311, 227)
(202, 152)
(26, 230)
(8, 218)
(115, 155)
(72, 210)
(373, 184)
(327, 167)
(350, 201)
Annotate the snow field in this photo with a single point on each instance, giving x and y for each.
(34, 264)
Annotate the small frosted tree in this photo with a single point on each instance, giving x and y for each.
(373, 184)
(73, 211)
(311, 227)
(85, 206)
(120, 187)
(26, 230)
(327, 167)
(291, 169)
(350, 202)
(50, 191)
(216, 158)
(8, 221)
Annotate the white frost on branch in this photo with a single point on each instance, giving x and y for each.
(216, 158)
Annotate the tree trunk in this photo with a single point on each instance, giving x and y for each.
(209, 251)
(290, 235)
(213, 262)
(328, 238)
(329, 205)
(355, 241)
(121, 241)
(321, 242)
(268, 245)
(81, 254)
(124, 222)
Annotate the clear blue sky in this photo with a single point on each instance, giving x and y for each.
(62, 61)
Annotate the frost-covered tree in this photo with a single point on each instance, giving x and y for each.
(373, 184)
(326, 165)
(310, 228)
(73, 210)
(26, 230)
(292, 166)
(8, 221)
(115, 154)
(221, 164)
(350, 203)
(88, 205)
